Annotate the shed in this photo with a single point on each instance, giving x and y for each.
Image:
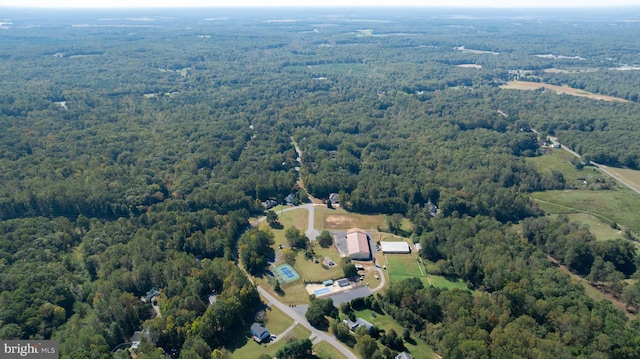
(343, 282)
(395, 247)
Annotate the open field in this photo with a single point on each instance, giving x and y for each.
(253, 349)
(403, 266)
(419, 350)
(601, 230)
(527, 85)
(620, 205)
(632, 177)
(297, 218)
(559, 160)
(340, 219)
(313, 272)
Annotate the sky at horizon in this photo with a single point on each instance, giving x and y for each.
(324, 3)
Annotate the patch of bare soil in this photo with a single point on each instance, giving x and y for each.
(339, 221)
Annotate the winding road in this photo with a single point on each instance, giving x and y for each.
(315, 333)
(602, 168)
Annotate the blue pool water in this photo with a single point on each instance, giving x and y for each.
(322, 291)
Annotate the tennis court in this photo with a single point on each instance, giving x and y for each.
(285, 273)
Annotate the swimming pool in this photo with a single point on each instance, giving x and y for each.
(322, 291)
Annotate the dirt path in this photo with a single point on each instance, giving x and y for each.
(616, 303)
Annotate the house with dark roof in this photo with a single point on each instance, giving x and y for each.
(259, 332)
(358, 323)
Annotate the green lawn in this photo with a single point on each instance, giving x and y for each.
(253, 349)
(419, 350)
(297, 217)
(325, 350)
(276, 321)
(403, 266)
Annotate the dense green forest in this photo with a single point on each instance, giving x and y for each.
(135, 147)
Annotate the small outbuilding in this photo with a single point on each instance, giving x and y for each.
(395, 247)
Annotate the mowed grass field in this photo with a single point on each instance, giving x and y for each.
(528, 85)
(403, 266)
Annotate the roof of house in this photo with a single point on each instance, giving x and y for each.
(404, 355)
(395, 247)
(259, 331)
(357, 242)
(359, 322)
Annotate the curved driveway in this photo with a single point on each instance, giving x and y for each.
(315, 333)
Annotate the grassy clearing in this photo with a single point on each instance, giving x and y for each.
(632, 177)
(527, 85)
(600, 229)
(276, 321)
(336, 219)
(418, 349)
(620, 205)
(297, 217)
(325, 350)
(254, 350)
(313, 272)
(559, 160)
(403, 266)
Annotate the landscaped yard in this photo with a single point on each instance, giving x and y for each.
(253, 349)
(419, 350)
(325, 350)
(276, 321)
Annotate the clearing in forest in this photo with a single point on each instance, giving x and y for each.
(340, 219)
(528, 85)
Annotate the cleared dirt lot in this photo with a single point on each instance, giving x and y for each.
(527, 85)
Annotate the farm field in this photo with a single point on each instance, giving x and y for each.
(528, 85)
(620, 205)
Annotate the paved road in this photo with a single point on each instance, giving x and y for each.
(602, 168)
(315, 333)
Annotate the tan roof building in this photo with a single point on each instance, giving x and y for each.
(358, 244)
